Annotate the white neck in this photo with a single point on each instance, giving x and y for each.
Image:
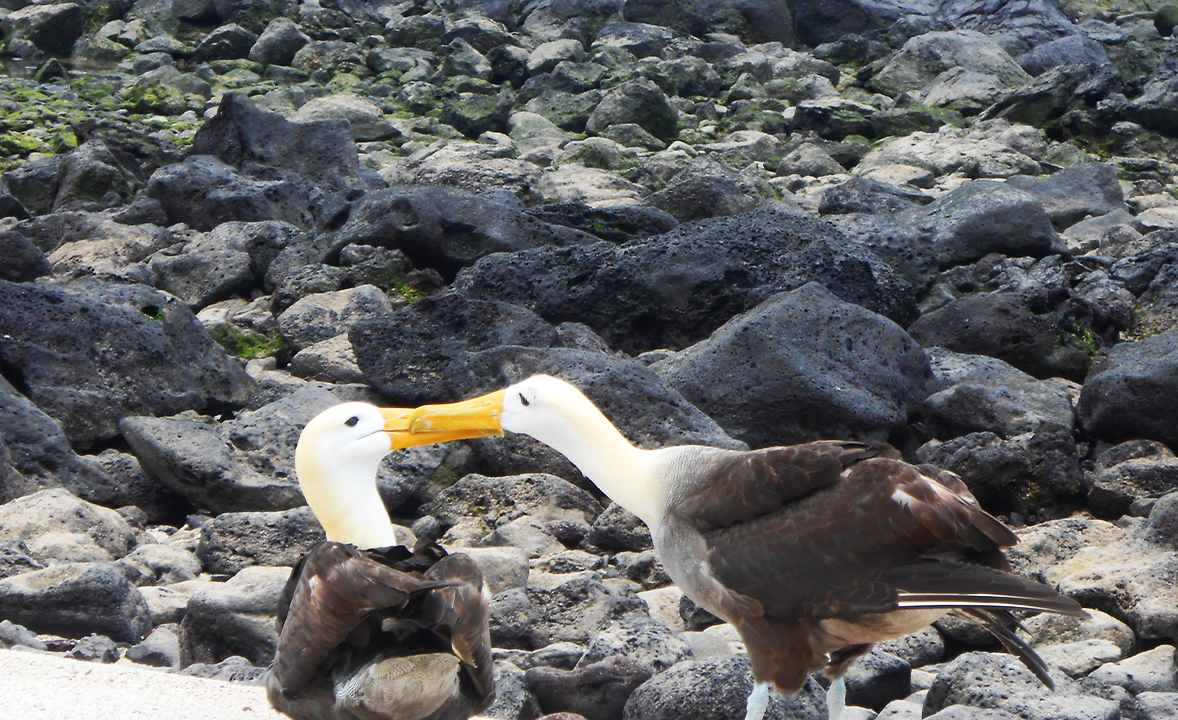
(623, 472)
(344, 499)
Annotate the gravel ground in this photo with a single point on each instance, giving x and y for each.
(46, 686)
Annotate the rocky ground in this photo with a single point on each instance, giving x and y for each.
(950, 225)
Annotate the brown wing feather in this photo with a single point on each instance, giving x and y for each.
(746, 485)
(331, 590)
(828, 553)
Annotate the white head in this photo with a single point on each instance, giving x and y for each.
(337, 459)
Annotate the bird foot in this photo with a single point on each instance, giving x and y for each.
(836, 699)
(758, 702)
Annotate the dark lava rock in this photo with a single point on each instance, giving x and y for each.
(985, 394)
(161, 648)
(962, 226)
(877, 678)
(1035, 474)
(675, 289)
(236, 617)
(204, 192)
(1000, 682)
(1074, 193)
(39, 456)
(562, 508)
(864, 195)
(23, 261)
(861, 377)
(248, 463)
(446, 228)
(233, 541)
(615, 224)
(573, 611)
(92, 353)
(95, 648)
(640, 102)
(251, 138)
(12, 635)
(1128, 393)
(716, 690)
(410, 355)
(75, 599)
(705, 189)
(619, 529)
(1046, 333)
(1130, 472)
(232, 669)
(596, 692)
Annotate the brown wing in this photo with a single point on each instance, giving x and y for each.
(464, 608)
(331, 590)
(746, 485)
(861, 543)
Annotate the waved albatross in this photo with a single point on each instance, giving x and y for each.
(812, 552)
(369, 628)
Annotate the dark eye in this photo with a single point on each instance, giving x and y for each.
(523, 400)
(351, 422)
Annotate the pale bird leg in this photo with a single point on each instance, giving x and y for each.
(758, 702)
(836, 699)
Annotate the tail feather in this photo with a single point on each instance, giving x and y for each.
(1002, 625)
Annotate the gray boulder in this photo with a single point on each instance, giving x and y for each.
(1035, 474)
(278, 43)
(446, 228)
(236, 617)
(156, 564)
(675, 289)
(1069, 50)
(1130, 472)
(755, 21)
(927, 56)
(90, 176)
(1157, 106)
(716, 690)
(227, 42)
(1154, 670)
(1000, 682)
(53, 27)
(563, 509)
(204, 192)
(872, 197)
(58, 526)
(619, 529)
(249, 137)
(234, 541)
(821, 21)
(638, 638)
(640, 102)
(39, 456)
(596, 692)
(706, 188)
(862, 377)
(962, 226)
(1125, 394)
(409, 355)
(92, 353)
(25, 261)
(637, 38)
(322, 316)
(1074, 193)
(76, 599)
(1130, 578)
(571, 607)
(1042, 332)
(231, 259)
(984, 394)
(161, 648)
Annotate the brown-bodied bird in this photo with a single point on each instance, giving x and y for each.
(369, 629)
(812, 552)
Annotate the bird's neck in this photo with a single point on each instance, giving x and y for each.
(350, 511)
(623, 472)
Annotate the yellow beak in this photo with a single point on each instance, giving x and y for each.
(478, 417)
(399, 425)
